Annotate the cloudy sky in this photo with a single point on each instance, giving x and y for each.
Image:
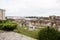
(31, 7)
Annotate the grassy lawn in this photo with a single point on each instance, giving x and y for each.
(33, 34)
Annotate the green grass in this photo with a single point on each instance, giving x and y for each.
(33, 34)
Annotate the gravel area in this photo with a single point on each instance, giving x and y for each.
(13, 36)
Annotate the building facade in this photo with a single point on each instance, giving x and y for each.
(2, 14)
(55, 20)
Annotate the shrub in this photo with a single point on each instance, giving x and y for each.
(1, 26)
(7, 25)
(4, 21)
(49, 34)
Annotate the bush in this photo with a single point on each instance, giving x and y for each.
(1, 26)
(3, 21)
(7, 25)
(49, 34)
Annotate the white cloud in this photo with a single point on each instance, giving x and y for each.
(31, 7)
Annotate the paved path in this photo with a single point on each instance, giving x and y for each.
(13, 36)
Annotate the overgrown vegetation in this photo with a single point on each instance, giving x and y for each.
(49, 34)
(40, 33)
(22, 30)
(7, 25)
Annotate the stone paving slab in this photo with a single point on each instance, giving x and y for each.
(13, 36)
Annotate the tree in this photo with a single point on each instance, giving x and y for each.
(49, 34)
